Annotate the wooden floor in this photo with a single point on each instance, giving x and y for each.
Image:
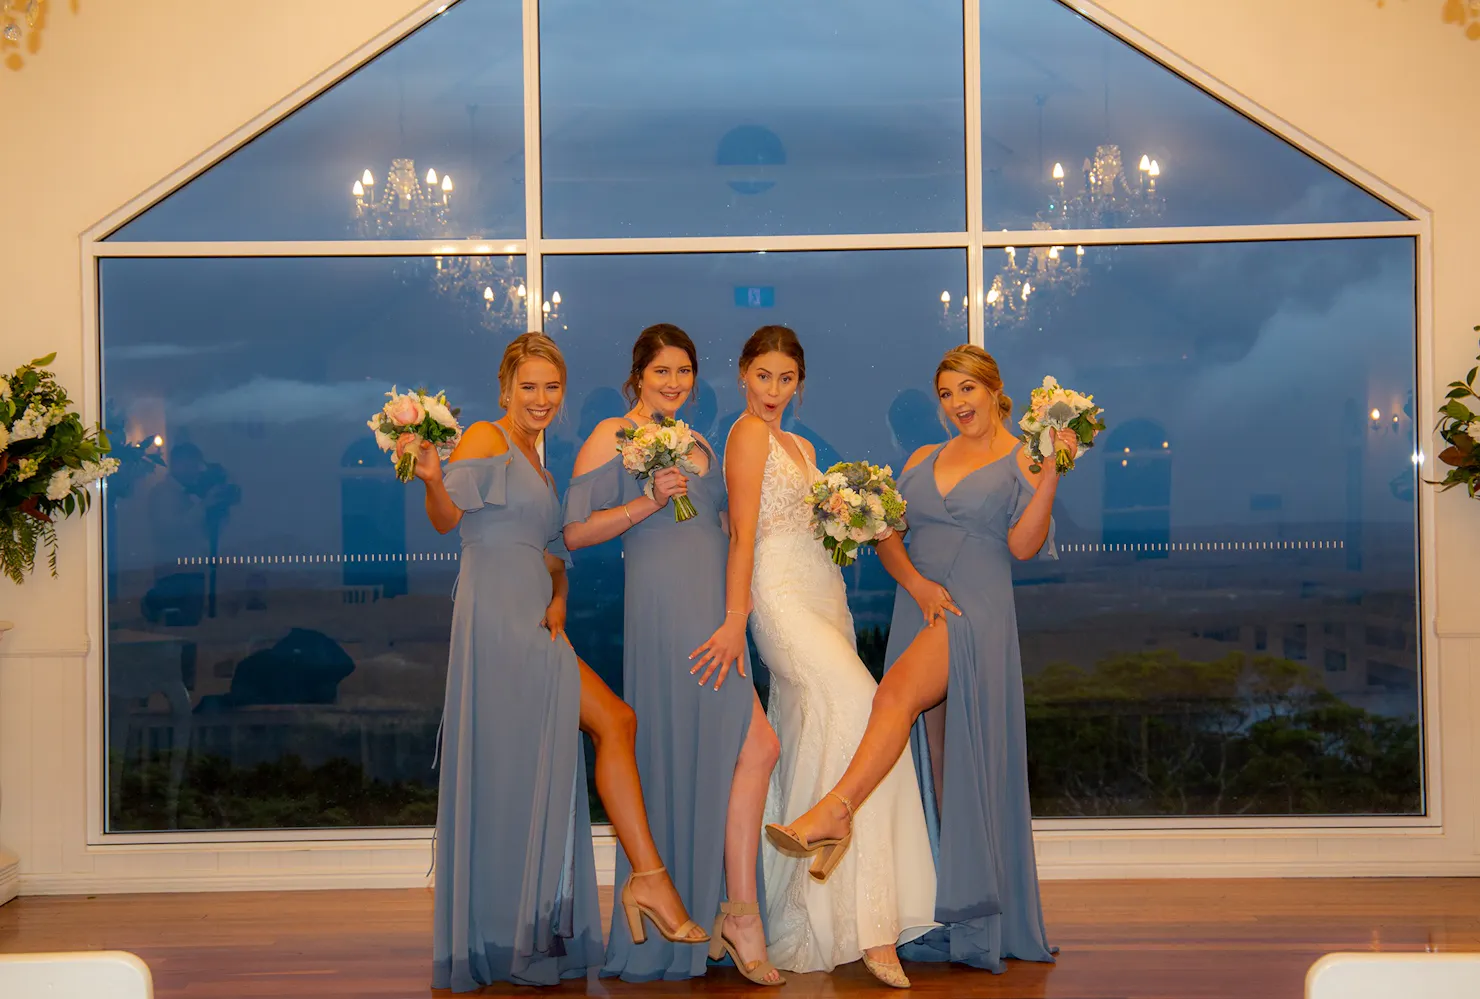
(1119, 939)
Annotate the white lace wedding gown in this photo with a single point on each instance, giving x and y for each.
(883, 891)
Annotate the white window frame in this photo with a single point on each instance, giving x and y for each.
(974, 239)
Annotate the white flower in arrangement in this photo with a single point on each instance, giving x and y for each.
(648, 449)
(41, 471)
(438, 410)
(59, 485)
(1474, 431)
(31, 425)
(90, 472)
(854, 504)
(1052, 408)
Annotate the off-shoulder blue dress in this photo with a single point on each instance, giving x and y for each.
(515, 876)
(688, 736)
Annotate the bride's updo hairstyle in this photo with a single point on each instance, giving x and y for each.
(978, 365)
(520, 349)
(778, 339)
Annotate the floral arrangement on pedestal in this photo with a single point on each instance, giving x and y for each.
(48, 458)
(1459, 427)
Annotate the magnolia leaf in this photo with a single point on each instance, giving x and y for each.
(1456, 410)
(1450, 456)
(42, 362)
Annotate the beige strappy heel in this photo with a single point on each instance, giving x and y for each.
(829, 851)
(719, 945)
(636, 912)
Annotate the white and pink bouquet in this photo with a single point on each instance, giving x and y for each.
(855, 504)
(652, 447)
(425, 417)
(1054, 407)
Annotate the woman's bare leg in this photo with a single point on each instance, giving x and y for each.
(752, 779)
(613, 729)
(915, 683)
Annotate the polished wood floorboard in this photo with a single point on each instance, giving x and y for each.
(1119, 940)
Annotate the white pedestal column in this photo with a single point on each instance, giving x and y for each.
(10, 865)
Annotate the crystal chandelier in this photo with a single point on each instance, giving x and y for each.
(1108, 198)
(410, 206)
(404, 207)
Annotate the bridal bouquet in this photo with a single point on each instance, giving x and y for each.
(1054, 407)
(48, 458)
(425, 417)
(652, 447)
(855, 504)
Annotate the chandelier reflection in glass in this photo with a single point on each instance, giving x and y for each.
(1028, 275)
(491, 284)
(953, 314)
(1108, 198)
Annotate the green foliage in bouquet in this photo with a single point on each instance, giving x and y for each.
(48, 458)
(1460, 429)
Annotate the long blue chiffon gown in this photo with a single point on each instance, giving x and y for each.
(982, 835)
(516, 880)
(688, 736)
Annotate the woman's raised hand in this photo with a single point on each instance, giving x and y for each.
(428, 466)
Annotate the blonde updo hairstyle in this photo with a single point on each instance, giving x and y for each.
(522, 348)
(976, 364)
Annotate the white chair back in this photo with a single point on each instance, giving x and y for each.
(103, 974)
(1383, 976)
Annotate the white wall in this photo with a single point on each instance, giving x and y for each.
(120, 95)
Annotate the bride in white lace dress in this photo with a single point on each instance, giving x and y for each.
(851, 903)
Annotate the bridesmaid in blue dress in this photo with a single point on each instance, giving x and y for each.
(515, 876)
(705, 750)
(954, 674)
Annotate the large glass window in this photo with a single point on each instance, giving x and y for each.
(1202, 643)
(738, 117)
(426, 141)
(277, 602)
(1231, 625)
(1082, 131)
